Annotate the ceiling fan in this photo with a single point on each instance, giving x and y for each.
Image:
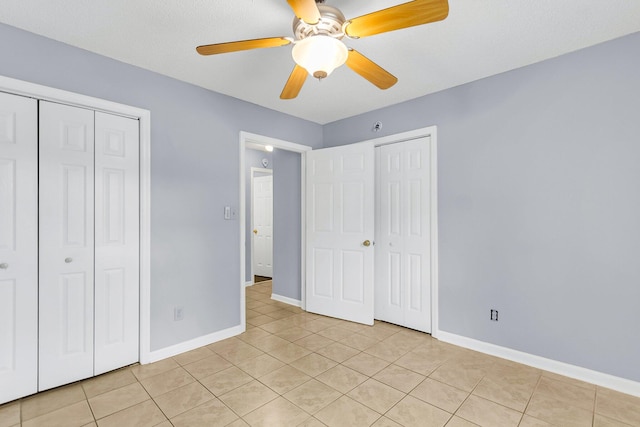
(318, 32)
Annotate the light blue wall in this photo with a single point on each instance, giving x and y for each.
(194, 174)
(287, 233)
(539, 204)
(252, 159)
(538, 194)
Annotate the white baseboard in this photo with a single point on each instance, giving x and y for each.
(286, 300)
(622, 385)
(174, 350)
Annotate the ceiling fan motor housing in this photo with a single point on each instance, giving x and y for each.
(330, 24)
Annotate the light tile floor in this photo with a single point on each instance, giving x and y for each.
(292, 368)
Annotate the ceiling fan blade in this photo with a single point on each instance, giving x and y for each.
(213, 49)
(307, 10)
(294, 84)
(416, 12)
(370, 70)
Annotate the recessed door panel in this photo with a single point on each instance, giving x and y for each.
(353, 163)
(414, 211)
(321, 167)
(415, 280)
(117, 272)
(113, 229)
(394, 227)
(403, 275)
(322, 273)
(394, 295)
(75, 305)
(8, 327)
(353, 278)
(352, 207)
(114, 306)
(18, 247)
(66, 246)
(321, 218)
(7, 204)
(74, 205)
(339, 253)
(8, 119)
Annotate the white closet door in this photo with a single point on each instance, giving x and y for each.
(403, 237)
(66, 244)
(18, 247)
(116, 242)
(340, 228)
(263, 226)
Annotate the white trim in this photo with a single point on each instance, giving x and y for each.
(435, 284)
(404, 136)
(253, 170)
(303, 230)
(286, 300)
(572, 371)
(46, 93)
(185, 346)
(145, 236)
(252, 138)
(248, 283)
(432, 132)
(248, 137)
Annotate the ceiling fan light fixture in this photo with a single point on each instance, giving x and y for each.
(320, 54)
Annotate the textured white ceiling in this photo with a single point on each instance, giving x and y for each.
(478, 39)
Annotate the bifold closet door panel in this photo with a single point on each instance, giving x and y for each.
(116, 242)
(403, 234)
(18, 247)
(66, 247)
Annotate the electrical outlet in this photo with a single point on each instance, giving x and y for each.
(494, 315)
(178, 313)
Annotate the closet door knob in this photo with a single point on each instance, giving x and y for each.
(68, 260)
(4, 266)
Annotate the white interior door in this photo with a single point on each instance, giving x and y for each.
(116, 242)
(18, 247)
(403, 240)
(263, 225)
(66, 244)
(340, 230)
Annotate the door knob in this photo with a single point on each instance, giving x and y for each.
(255, 231)
(4, 266)
(68, 260)
(366, 243)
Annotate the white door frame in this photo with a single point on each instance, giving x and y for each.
(267, 172)
(430, 131)
(248, 138)
(32, 90)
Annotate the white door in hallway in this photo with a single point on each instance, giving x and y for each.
(403, 237)
(340, 231)
(117, 230)
(18, 247)
(66, 216)
(263, 225)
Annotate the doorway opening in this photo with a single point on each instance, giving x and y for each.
(259, 215)
(287, 216)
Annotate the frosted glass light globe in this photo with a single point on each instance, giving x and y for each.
(320, 55)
